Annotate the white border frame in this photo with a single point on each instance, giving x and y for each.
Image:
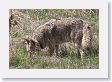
(102, 72)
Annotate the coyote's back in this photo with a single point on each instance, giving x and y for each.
(57, 31)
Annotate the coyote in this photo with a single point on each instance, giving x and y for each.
(57, 31)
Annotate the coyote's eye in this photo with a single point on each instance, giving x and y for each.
(88, 27)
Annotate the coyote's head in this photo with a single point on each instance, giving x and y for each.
(39, 42)
(31, 46)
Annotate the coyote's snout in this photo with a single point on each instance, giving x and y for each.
(57, 31)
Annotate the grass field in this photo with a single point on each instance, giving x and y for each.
(29, 20)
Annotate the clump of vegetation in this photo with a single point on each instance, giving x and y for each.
(29, 19)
